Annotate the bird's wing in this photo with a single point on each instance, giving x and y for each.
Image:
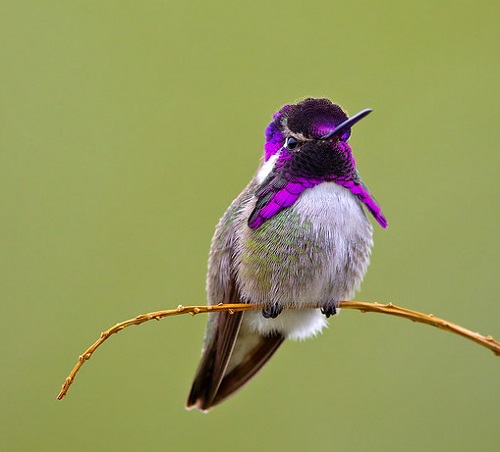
(222, 372)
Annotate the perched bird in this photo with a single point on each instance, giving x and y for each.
(296, 237)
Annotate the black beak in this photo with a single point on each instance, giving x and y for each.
(342, 128)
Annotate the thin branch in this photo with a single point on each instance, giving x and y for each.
(429, 319)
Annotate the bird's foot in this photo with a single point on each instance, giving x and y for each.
(329, 309)
(271, 311)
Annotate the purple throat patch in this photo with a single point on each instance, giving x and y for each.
(277, 193)
(325, 161)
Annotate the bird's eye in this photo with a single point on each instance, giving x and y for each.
(291, 143)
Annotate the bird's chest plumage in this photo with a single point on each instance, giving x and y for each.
(313, 252)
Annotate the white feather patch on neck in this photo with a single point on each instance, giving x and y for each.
(266, 168)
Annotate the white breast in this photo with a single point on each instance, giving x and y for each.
(331, 206)
(343, 233)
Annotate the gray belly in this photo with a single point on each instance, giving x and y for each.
(314, 252)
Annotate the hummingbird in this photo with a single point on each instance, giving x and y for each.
(296, 241)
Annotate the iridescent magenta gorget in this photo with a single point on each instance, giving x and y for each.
(311, 160)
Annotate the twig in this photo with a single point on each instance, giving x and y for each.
(390, 309)
(429, 319)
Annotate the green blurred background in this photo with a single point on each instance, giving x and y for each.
(126, 128)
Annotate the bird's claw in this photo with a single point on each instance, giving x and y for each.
(328, 309)
(272, 311)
